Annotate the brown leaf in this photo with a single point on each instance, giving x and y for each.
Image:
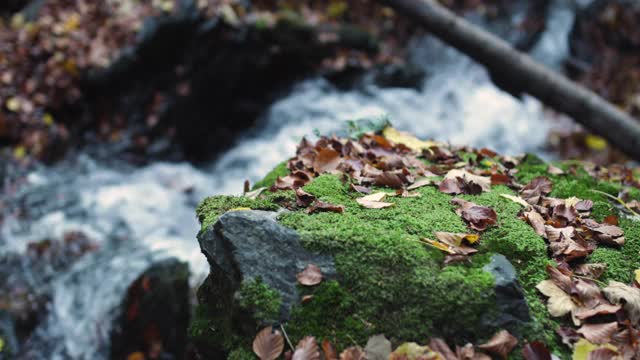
(538, 187)
(611, 220)
(502, 343)
(500, 179)
(537, 222)
(268, 344)
(584, 205)
(307, 349)
(420, 183)
(456, 239)
(555, 234)
(310, 276)
(568, 213)
(627, 296)
(598, 333)
(353, 353)
(559, 303)
(329, 350)
(536, 351)
(553, 170)
(451, 186)
(303, 198)
(607, 234)
(478, 217)
(469, 179)
(601, 309)
(440, 346)
(593, 271)
(389, 179)
(361, 189)
(568, 335)
(374, 201)
(327, 160)
(321, 206)
(604, 353)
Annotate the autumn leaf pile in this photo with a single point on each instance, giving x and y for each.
(380, 166)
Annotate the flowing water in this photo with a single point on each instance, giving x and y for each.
(136, 216)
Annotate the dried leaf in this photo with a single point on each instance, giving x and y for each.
(320, 206)
(456, 239)
(412, 351)
(441, 347)
(604, 354)
(408, 140)
(327, 160)
(255, 193)
(420, 183)
(601, 309)
(583, 348)
(627, 296)
(538, 187)
(378, 348)
(515, 199)
(329, 350)
(361, 189)
(598, 333)
(594, 270)
(303, 198)
(483, 182)
(390, 179)
(537, 222)
(559, 303)
(353, 353)
(374, 201)
(307, 349)
(501, 179)
(310, 276)
(478, 217)
(536, 351)
(268, 344)
(554, 170)
(502, 343)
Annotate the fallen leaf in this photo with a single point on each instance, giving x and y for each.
(554, 233)
(598, 333)
(604, 354)
(310, 276)
(534, 190)
(537, 222)
(600, 309)
(502, 343)
(536, 351)
(611, 220)
(307, 349)
(353, 353)
(515, 199)
(303, 198)
(321, 206)
(478, 217)
(501, 179)
(412, 351)
(306, 298)
(594, 270)
(456, 239)
(374, 201)
(329, 350)
(583, 348)
(554, 170)
(559, 303)
(408, 140)
(378, 348)
(268, 344)
(483, 182)
(441, 347)
(255, 193)
(637, 273)
(627, 296)
(420, 183)
(390, 179)
(327, 160)
(361, 189)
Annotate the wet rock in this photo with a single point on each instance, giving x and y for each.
(155, 314)
(8, 336)
(510, 298)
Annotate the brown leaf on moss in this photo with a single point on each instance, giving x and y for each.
(441, 347)
(627, 296)
(598, 333)
(327, 160)
(353, 353)
(268, 344)
(374, 201)
(611, 220)
(584, 205)
(554, 170)
(536, 351)
(536, 221)
(390, 179)
(361, 189)
(321, 206)
(601, 309)
(502, 343)
(604, 353)
(303, 198)
(478, 217)
(329, 350)
(568, 213)
(456, 239)
(310, 276)
(593, 270)
(604, 233)
(307, 349)
(420, 183)
(501, 179)
(536, 189)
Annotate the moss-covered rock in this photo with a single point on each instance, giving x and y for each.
(389, 282)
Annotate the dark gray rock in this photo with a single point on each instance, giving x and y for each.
(244, 245)
(510, 300)
(155, 313)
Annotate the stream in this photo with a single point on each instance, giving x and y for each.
(135, 216)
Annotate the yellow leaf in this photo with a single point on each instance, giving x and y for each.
(410, 141)
(583, 348)
(1, 344)
(136, 356)
(19, 152)
(337, 9)
(637, 272)
(559, 303)
(438, 245)
(239, 209)
(413, 351)
(13, 104)
(72, 23)
(47, 119)
(594, 142)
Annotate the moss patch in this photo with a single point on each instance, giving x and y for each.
(212, 207)
(270, 179)
(259, 299)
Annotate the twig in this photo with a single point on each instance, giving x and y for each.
(616, 199)
(284, 332)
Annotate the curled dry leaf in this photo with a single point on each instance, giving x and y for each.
(420, 183)
(502, 343)
(329, 350)
(307, 349)
(536, 351)
(321, 206)
(303, 198)
(583, 348)
(361, 189)
(468, 178)
(627, 296)
(268, 344)
(353, 353)
(442, 348)
(594, 270)
(412, 351)
(536, 189)
(501, 179)
(255, 193)
(408, 140)
(374, 201)
(559, 303)
(478, 217)
(310, 276)
(537, 222)
(604, 354)
(456, 239)
(554, 170)
(515, 199)
(390, 179)
(600, 309)
(598, 333)
(327, 160)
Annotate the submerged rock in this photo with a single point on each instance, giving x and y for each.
(155, 314)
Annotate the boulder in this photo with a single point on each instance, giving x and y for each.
(154, 314)
(380, 276)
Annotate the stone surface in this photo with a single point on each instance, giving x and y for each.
(155, 313)
(244, 245)
(510, 297)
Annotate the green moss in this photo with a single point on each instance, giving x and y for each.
(622, 262)
(259, 299)
(241, 354)
(212, 207)
(388, 272)
(270, 179)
